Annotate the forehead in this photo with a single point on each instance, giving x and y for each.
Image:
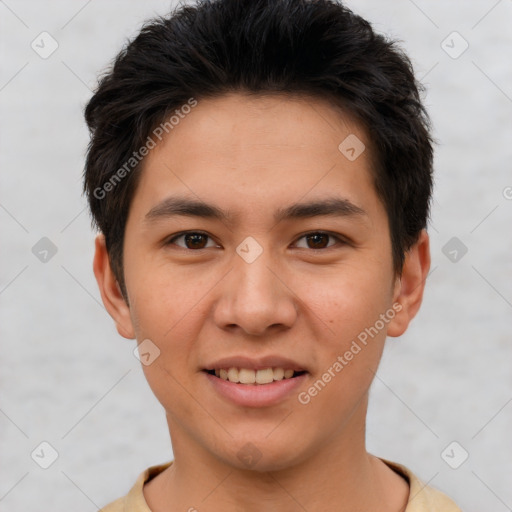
(276, 122)
(251, 150)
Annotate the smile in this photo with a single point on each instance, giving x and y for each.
(249, 376)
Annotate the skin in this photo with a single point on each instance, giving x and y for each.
(251, 156)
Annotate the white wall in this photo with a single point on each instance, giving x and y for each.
(66, 376)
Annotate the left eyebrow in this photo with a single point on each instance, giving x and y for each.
(183, 206)
(335, 207)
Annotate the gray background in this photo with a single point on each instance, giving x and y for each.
(69, 379)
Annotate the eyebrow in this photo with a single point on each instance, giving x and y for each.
(182, 206)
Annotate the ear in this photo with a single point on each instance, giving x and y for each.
(410, 284)
(110, 291)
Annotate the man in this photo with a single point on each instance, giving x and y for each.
(261, 173)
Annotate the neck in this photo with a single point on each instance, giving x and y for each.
(337, 476)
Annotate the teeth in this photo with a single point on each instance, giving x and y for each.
(265, 376)
(233, 375)
(248, 376)
(278, 374)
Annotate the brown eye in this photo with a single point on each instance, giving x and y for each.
(319, 240)
(195, 241)
(191, 240)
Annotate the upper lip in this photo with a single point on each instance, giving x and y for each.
(255, 363)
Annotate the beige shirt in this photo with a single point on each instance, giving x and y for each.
(422, 498)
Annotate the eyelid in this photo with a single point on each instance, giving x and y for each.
(170, 240)
(340, 239)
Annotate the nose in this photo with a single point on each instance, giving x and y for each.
(255, 298)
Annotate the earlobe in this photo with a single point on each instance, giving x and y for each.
(410, 285)
(110, 290)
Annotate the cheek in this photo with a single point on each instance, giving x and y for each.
(168, 328)
(346, 302)
(170, 309)
(348, 308)
(349, 350)
(165, 298)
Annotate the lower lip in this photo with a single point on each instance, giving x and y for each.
(256, 395)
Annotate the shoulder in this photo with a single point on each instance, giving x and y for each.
(423, 498)
(134, 501)
(115, 506)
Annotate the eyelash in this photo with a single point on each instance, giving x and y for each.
(340, 240)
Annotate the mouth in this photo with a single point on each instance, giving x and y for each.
(251, 377)
(263, 381)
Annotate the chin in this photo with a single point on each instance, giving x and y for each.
(260, 454)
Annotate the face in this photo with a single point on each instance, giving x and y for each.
(256, 248)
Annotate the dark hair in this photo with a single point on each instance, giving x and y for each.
(314, 47)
